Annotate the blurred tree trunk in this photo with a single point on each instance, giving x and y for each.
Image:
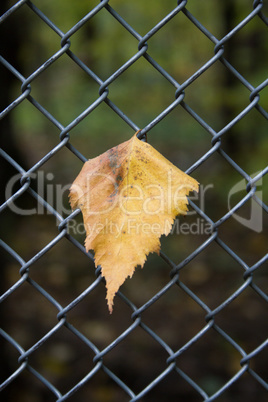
(12, 33)
(252, 47)
(11, 36)
(228, 81)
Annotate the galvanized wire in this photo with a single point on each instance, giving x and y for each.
(247, 272)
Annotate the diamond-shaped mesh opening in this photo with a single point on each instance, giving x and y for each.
(77, 80)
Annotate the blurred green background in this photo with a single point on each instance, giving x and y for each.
(64, 90)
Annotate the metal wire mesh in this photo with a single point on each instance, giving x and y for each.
(63, 317)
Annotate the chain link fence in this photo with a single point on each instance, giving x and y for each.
(192, 325)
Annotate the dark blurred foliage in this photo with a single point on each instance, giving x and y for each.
(141, 93)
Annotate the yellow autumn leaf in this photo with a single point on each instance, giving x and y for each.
(129, 196)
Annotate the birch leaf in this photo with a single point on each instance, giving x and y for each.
(129, 196)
